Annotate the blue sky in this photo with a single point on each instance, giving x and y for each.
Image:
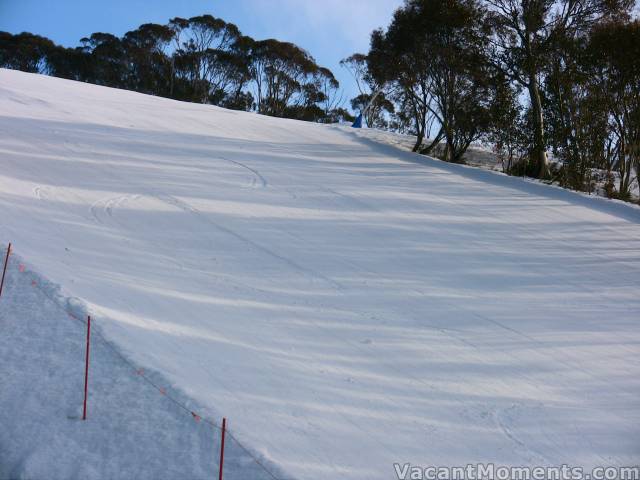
(329, 29)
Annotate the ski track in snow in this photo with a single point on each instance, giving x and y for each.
(503, 421)
(194, 211)
(107, 205)
(258, 178)
(40, 193)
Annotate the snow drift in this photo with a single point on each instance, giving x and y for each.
(345, 304)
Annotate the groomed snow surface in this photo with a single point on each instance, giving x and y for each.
(345, 304)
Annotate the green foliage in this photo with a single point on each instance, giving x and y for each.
(25, 51)
(530, 77)
(201, 59)
(432, 59)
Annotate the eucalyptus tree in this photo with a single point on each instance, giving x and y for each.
(433, 54)
(525, 32)
(372, 101)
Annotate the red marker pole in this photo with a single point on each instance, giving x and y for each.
(86, 370)
(4, 270)
(224, 427)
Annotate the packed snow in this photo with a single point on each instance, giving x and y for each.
(346, 305)
(131, 432)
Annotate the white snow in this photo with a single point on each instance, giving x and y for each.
(132, 432)
(346, 305)
(483, 155)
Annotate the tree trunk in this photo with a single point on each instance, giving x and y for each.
(418, 143)
(449, 150)
(420, 128)
(173, 74)
(434, 143)
(539, 150)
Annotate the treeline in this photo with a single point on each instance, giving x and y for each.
(528, 76)
(201, 59)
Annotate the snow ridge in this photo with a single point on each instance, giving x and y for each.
(28, 297)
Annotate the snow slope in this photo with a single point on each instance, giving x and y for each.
(131, 431)
(345, 304)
